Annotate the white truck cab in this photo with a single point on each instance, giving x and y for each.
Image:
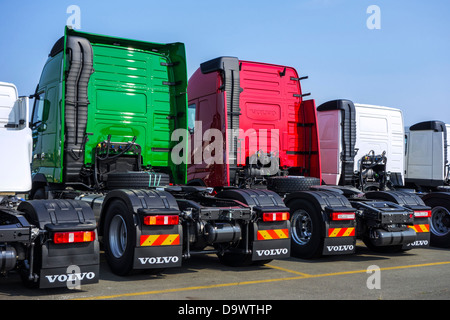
(15, 140)
(348, 131)
(427, 154)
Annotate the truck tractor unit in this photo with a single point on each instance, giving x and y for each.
(364, 146)
(50, 243)
(427, 172)
(272, 142)
(102, 122)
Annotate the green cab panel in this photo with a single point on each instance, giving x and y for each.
(113, 89)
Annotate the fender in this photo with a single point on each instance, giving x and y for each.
(258, 199)
(62, 216)
(436, 195)
(45, 213)
(325, 202)
(139, 200)
(406, 199)
(322, 200)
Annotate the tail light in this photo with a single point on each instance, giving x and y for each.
(161, 220)
(275, 216)
(422, 214)
(74, 237)
(342, 216)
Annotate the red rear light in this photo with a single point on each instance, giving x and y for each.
(343, 216)
(422, 214)
(74, 237)
(161, 220)
(275, 216)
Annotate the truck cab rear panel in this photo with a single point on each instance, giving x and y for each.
(109, 90)
(264, 103)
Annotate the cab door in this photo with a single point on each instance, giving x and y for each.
(44, 126)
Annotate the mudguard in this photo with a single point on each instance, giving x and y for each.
(268, 240)
(150, 252)
(339, 237)
(68, 264)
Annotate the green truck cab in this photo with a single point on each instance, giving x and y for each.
(135, 92)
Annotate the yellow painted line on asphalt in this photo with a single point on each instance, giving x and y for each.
(288, 270)
(361, 271)
(212, 286)
(221, 285)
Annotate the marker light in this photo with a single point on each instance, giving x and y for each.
(161, 220)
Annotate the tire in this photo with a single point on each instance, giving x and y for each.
(291, 183)
(439, 222)
(306, 230)
(137, 180)
(119, 237)
(38, 194)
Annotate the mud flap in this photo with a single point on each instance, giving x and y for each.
(71, 277)
(68, 264)
(339, 245)
(422, 241)
(157, 257)
(158, 249)
(271, 241)
(271, 249)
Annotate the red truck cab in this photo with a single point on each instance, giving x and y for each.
(260, 112)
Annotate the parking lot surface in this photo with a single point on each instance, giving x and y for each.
(419, 274)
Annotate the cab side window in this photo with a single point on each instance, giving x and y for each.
(191, 117)
(38, 110)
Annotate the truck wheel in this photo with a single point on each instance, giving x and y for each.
(137, 179)
(291, 183)
(439, 222)
(119, 238)
(306, 230)
(38, 194)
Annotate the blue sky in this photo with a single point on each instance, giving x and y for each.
(405, 64)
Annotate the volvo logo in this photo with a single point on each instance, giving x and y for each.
(158, 260)
(340, 248)
(272, 252)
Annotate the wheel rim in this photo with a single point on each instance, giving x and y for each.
(301, 227)
(118, 236)
(439, 221)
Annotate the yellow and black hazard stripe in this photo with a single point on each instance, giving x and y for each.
(273, 234)
(160, 240)
(341, 232)
(421, 228)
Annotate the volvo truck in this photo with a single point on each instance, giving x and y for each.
(427, 173)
